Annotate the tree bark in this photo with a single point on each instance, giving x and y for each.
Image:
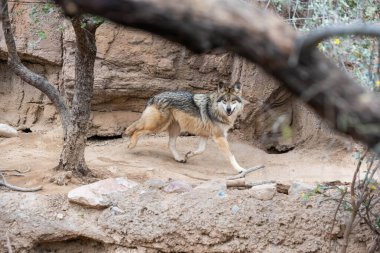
(259, 36)
(72, 156)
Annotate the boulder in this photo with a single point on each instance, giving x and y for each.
(100, 194)
(178, 186)
(155, 183)
(264, 191)
(7, 131)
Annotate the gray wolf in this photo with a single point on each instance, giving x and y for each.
(204, 115)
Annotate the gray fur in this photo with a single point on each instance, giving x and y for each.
(198, 105)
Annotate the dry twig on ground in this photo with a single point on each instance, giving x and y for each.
(3, 182)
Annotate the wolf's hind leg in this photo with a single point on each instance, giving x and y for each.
(135, 137)
(201, 148)
(151, 121)
(174, 131)
(224, 147)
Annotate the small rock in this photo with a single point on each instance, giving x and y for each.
(235, 209)
(222, 194)
(297, 188)
(61, 178)
(7, 131)
(264, 191)
(178, 186)
(59, 216)
(213, 185)
(116, 210)
(99, 194)
(155, 183)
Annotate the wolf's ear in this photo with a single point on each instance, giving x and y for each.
(237, 87)
(221, 86)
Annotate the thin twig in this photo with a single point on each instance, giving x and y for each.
(9, 246)
(353, 197)
(244, 173)
(335, 214)
(15, 170)
(4, 182)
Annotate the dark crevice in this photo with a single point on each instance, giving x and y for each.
(26, 130)
(104, 138)
(279, 150)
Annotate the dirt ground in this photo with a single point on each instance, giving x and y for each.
(39, 152)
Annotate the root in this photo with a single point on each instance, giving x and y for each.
(3, 182)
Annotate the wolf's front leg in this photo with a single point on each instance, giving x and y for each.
(225, 148)
(201, 148)
(174, 131)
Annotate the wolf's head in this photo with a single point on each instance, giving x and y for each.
(229, 98)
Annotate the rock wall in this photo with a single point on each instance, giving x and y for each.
(131, 66)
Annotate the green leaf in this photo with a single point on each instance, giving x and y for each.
(33, 12)
(97, 20)
(346, 206)
(48, 8)
(286, 132)
(41, 35)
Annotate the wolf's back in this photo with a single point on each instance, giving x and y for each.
(180, 100)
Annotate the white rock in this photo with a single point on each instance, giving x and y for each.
(297, 188)
(264, 191)
(155, 183)
(178, 186)
(99, 194)
(7, 131)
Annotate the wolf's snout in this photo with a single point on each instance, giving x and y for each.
(229, 110)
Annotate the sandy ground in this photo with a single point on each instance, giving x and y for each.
(152, 159)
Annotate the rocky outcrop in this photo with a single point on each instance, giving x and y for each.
(131, 66)
(150, 220)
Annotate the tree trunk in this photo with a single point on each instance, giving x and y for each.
(74, 120)
(72, 156)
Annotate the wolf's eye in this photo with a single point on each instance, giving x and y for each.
(224, 101)
(234, 101)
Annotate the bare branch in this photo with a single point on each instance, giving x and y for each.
(4, 182)
(335, 215)
(27, 75)
(259, 36)
(244, 173)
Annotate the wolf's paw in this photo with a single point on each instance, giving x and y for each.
(189, 154)
(181, 160)
(131, 146)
